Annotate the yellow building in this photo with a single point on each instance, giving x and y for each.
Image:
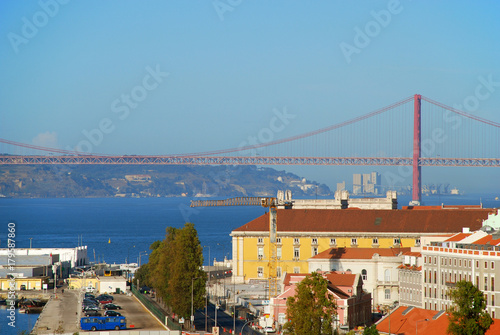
(76, 283)
(303, 233)
(30, 283)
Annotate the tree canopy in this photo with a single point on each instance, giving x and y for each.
(468, 314)
(175, 267)
(311, 310)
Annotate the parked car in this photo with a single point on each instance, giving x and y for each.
(106, 296)
(104, 300)
(89, 295)
(91, 308)
(145, 290)
(111, 313)
(92, 313)
(111, 306)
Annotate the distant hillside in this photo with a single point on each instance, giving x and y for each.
(55, 181)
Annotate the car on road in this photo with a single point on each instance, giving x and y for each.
(269, 330)
(112, 313)
(111, 306)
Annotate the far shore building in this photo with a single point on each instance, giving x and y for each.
(304, 233)
(378, 268)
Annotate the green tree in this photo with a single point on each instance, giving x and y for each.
(311, 310)
(372, 330)
(468, 314)
(173, 263)
(186, 254)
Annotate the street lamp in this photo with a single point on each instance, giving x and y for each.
(242, 333)
(416, 325)
(208, 289)
(142, 253)
(192, 301)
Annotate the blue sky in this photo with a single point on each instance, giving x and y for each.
(222, 69)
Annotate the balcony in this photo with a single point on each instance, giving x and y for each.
(392, 283)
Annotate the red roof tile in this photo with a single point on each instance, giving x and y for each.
(458, 237)
(359, 253)
(429, 322)
(366, 220)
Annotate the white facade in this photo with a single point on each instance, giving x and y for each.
(111, 284)
(379, 274)
(74, 256)
(341, 200)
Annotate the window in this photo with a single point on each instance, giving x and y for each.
(460, 263)
(260, 272)
(260, 240)
(387, 294)
(435, 262)
(477, 264)
(493, 299)
(278, 240)
(354, 241)
(278, 252)
(333, 241)
(364, 274)
(260, 252)
(375, 240)
(296, 252)
(387, 275)
(278, 272)
(425, 259)
(296, 241)
(486, 283)
(485, 265)
(492, 265)
(492, 283)
(314, 241)
(296, 270)
(417, 241)
(314, 251)
(397, 241)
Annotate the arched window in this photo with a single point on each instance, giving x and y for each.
(364, 274)
(387, 275)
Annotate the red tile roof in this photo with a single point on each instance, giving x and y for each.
(366, 220)
(406, 324)
(359, 253)
(458, 237)
(335, 278)
(403, 321)
(412, 253)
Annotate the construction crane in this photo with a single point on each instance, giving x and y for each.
(283, 199)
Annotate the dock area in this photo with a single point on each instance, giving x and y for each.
(61, 314)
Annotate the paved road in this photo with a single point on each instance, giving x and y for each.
(63, 312)
(224, 320)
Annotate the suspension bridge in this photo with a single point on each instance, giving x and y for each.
(416, 131)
